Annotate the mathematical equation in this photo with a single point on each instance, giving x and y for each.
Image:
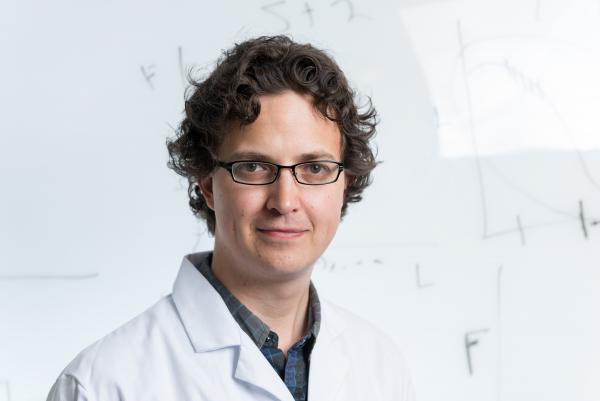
(276, 9)
(283, 13)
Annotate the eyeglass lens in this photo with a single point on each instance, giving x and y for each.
(254, 172)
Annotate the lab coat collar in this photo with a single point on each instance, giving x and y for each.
(207, 321)
(210, 326)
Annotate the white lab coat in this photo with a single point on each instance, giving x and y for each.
(188, 347)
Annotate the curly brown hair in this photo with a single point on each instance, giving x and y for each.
(262, 66)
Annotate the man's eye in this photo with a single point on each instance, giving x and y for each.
(317, 168)
(252, 167)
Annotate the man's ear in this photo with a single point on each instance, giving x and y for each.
(206, 187)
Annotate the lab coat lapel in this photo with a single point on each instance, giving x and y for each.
(253, 368)
(329, 363)
(210, 327)
(207, 321)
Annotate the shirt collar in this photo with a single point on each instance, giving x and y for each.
(256, 329)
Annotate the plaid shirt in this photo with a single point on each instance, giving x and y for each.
(294, 371)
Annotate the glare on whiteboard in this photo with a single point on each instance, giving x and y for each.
(510, 76)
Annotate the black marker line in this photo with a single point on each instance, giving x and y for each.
(509, 231)
(389, 245)
(567, 132)
(180, 62)
(511, 36)
(584, 166)
(325, 265)
(470, 343)
(482, 193)
(582, 219)
(436, 118)
(419, 283)
(571, 216)
(240, 31)
(526, 82)
(507, 181)
(499, 339)
(499, 290)
(148, 76)
(171, 127)
(267, 8)
(350, 8)
(352, 14)
(48, 276)
(309, 11)
(553, 106)
(182, 183)
(535, 88)
(521, 231)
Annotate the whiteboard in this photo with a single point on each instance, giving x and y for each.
(476, 248)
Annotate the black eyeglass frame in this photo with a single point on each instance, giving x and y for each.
(229, 167)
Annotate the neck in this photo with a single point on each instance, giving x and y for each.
(280, 301)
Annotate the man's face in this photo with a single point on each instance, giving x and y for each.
(279, 229)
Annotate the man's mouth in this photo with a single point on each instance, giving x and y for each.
(282, 232)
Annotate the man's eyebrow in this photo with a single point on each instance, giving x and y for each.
(248, 156)
(317, 156)
(262, 156)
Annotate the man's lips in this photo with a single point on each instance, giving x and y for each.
(282, 232)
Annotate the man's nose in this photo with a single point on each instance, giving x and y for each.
(284, 193)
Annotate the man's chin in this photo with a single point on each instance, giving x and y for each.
(284, 263)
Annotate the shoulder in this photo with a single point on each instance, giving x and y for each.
(140, 342)
(373, 354)
(355, 328)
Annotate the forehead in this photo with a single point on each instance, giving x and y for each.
(287, 130)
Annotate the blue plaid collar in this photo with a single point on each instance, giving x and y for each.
(248, 321)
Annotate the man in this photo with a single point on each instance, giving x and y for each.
(274, 149)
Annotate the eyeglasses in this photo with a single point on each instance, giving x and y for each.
(251, 172)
